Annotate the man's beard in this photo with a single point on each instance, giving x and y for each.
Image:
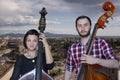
(86, 35)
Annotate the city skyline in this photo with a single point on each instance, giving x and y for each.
(18, 16)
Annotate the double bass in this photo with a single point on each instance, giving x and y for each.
(92, 72)
(38, 73)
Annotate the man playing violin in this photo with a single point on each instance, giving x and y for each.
(101, 53)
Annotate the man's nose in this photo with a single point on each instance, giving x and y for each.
(83, 28)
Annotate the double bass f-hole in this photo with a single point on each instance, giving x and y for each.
(87, 71)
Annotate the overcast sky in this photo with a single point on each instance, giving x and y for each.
(18, 16)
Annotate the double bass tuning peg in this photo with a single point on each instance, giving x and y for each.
(107, 21)
(105, 26)
(112, 18)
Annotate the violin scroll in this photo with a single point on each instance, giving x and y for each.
(110, 9)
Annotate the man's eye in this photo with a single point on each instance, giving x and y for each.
(79, 25)
(86, 24)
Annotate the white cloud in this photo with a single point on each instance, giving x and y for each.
(14, 13)
(14, 29)
(61, 13)
(8, 7)
(61, 30)
(109, 31)
(18, 20)
(53, 22)
(53, 5)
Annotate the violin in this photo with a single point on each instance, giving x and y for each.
(87, 71)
